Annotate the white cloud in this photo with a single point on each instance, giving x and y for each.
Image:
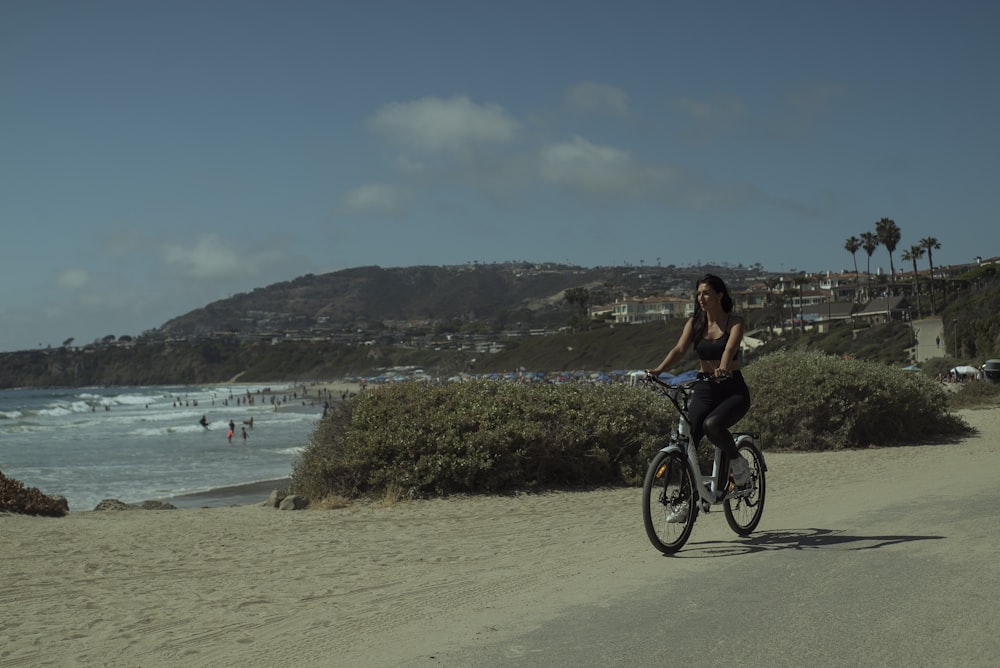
(460, 131)
(372, 199)
(436, 125)
(608, 172)
(209, 258)
(582, 165)
(597, 98)
(73, 279)
(407, 165)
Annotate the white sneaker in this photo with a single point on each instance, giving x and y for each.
(678, 514)
(740, 469)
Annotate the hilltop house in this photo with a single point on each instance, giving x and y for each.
(649, 309)
(825, 316)
(886, 309)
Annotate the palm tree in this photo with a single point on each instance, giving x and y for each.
(798, 282)
(772, 284)
(912, 255)
(869, 241)
(931, 244)
(779, 305)
(888, 235)
(579, 300)
(852, 246)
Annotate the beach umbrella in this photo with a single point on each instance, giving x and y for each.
(685, 377)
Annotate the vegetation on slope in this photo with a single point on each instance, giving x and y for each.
(606, 348)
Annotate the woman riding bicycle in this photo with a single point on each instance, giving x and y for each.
(718, 402)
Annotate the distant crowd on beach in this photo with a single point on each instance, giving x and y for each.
(265, 396)
(963, 375)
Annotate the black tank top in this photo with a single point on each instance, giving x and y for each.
(712, 349)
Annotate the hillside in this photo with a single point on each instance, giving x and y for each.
(488, 301)
(374, 294)
(610, 348)
(526, 294)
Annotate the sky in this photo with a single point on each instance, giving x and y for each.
(156, 156)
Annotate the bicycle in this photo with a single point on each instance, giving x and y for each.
(675, 490)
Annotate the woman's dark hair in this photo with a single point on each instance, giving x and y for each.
(700, 320)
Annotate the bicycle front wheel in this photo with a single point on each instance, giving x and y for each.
(668, 503)
(744, 506)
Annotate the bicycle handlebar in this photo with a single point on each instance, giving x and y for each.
(686, 385)
(675, 392)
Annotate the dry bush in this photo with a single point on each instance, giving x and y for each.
(16, 498)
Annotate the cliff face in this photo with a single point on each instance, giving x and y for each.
(142, 364)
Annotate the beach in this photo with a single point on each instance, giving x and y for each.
(530, 579)
(164, 443)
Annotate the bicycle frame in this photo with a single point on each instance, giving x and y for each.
(711, 488)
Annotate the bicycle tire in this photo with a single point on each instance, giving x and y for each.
(743, 512)
(668, 485)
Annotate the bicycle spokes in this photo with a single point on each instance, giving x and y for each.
(669, 510)
(744, 505)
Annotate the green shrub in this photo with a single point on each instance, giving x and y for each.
(485, 437)
(810, 401)
(414, 440)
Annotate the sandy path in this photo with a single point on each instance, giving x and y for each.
(379, 586)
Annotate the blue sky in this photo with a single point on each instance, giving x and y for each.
(156, 156)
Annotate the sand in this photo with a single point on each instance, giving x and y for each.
(373, 585)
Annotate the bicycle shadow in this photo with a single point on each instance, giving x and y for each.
(796, 539)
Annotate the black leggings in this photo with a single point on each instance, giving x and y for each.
(717, 406)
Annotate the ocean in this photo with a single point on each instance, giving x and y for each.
(145, 443)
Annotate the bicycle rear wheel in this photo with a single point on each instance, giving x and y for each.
(745, 506)
(668, 494)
